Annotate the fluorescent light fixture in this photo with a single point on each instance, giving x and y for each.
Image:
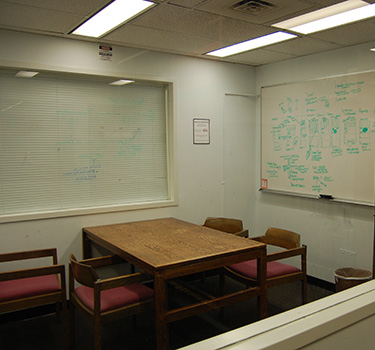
(116, 13)
(26, 74)
(121, 82)
(373, 49)
(329, 17)
(251, 44)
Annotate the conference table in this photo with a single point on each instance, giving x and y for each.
(170, 248)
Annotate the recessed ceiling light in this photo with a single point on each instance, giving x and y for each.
(26, 74)
(251, 44)
(329, 17)
(116, 13)
(121, 82)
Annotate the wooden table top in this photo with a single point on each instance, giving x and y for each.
(169, 241)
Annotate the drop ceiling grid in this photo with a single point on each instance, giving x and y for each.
(199, 24)
(35, 18)
(72, 6)
(190, 28)
(164, 41)
(350, 34)
(303, 46)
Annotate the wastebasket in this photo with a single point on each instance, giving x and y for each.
(347, 277)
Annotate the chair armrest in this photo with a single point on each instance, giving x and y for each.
(31, 254)
(38, 271)
(286, 254)
(244, 233)
(120, 281)
(103, 261)
(258, 238)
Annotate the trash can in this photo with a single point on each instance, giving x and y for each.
(347, 277)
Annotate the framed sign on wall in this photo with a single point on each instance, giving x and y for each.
(201, 131)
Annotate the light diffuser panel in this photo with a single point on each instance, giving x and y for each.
(116, 13)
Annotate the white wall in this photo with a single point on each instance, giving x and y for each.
(336, 234)
(199, 92)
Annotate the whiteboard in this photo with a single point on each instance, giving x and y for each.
(318, 138)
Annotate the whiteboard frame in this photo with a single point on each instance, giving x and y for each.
(296, 194)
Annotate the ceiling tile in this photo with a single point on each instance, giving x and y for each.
(277, 9)
(189, 27)
(32, 18)
(235, 31)
(188, 4)
(175, 19)
(303, 46)
(161, 40)
(200, 24)
(292, 11)
(260, 57)
(326, 3)
(81, 7)
(350, 34)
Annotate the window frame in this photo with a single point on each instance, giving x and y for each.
(101, 209)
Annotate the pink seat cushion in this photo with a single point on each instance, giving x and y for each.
(28, 287)
(115, 298)
(274, 269)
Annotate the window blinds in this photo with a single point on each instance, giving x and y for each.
(68, 142)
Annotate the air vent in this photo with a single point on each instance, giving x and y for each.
(253, 7)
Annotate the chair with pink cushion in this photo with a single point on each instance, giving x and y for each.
(36, 286)
(103, 300)
(228, 225)
(277, 272)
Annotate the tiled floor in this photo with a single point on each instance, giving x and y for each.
(45, 333)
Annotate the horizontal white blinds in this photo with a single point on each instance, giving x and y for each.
(69, 143)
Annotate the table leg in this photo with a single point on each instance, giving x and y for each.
(86, 246)
(262, 281)
(162, 336)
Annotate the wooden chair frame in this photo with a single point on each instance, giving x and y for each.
(39, 300)
(83, 272)
(228, 225)
(288, 240)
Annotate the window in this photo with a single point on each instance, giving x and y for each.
(70, 143)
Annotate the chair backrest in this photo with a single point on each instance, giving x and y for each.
(30, 254)
(83, 273)
(224, 224)
(282, 238)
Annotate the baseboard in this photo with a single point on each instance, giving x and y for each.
(321, 283)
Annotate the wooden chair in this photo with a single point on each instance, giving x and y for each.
(34, 287)
(234, 226)
(104, 300)
(228, 225)
(277, 272)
